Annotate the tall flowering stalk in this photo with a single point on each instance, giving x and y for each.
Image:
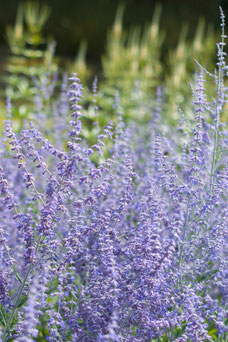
(219, 96)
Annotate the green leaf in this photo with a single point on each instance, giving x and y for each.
(213, 332)
(22, 301)
(2, 316)
(133, 329)
(16, 273)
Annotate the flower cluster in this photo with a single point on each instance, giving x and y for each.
(128, 248)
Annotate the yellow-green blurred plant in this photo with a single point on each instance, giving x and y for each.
(15, 35)
(36, 16)
(79, 65)
(26, 36)
(31, 56)
(134, 55)
(181, 65)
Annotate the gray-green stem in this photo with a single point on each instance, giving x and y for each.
(218, 89)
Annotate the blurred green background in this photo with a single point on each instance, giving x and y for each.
(73, 20)
(133, 46)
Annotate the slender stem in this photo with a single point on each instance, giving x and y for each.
(11, 259)
(215, 136)
(218, 89)
(3, 316)
(185, 233)
(16, 304)
(34, 187)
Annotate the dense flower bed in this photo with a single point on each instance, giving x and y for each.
(129, 247)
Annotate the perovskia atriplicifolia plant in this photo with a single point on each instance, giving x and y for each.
(132, 248)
